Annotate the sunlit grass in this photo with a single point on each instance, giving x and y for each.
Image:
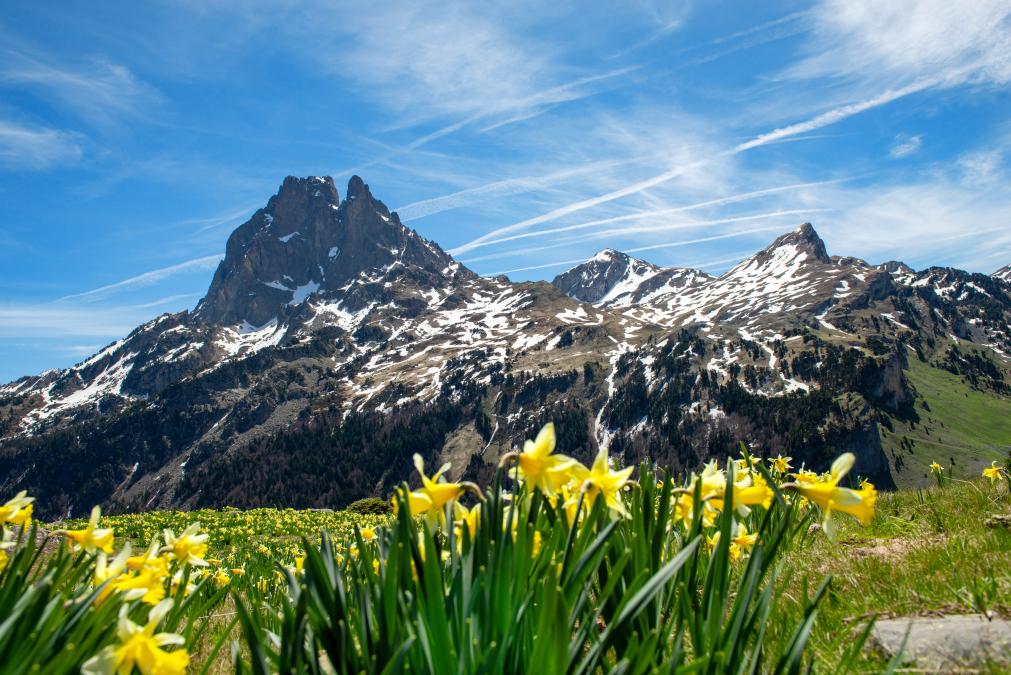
(554, 567)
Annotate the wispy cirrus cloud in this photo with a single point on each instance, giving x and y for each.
(905, 146)
(623, 232)
(983, 166)
(31, 148)
(901, 41)
(775, 135)
(99, 91)
(503, 188)
(664, 212)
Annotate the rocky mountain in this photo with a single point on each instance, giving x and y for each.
(334, 342)
(1004, 274)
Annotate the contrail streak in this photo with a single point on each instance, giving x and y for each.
(816, 122)
(642, 215)
(147, 278)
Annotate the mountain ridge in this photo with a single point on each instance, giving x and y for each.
(334, 342)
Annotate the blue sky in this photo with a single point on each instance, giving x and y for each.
(135, 136)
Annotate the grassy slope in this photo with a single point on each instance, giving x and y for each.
(969, 426)
(926, 552)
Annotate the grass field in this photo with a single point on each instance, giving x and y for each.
(926, 552)
(551, 567)
(961, 428)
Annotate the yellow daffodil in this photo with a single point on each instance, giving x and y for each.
(752, 491)
(18, 510)
(936, 468)
(435, 493)
(137, 562)
(177, 579)
(742, 540)
(467, 518)
(140, 647)
(147, 584)
(684, 508)
(539, 467)
(601, 480)
(189, 548)
(91, 539)
(741, 543)
(106, 570)
(7, 542)
(368, 534)
(781, 464)
(221, 578)
(806, 476)
(992, 472)
(569, 500)
(829, 497)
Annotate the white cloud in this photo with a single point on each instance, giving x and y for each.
(913, 222)
(659, 213)
(832, 116)
(423, 60)
(100, 91)
(501, 188)
(982, 167)
(694, 165)
(33, 148)
(898, 41)
(905, 146)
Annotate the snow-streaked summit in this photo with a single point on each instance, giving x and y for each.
(604, 277)
(794, 275)
(307, 241)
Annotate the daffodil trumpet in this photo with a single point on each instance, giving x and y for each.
(826, 494)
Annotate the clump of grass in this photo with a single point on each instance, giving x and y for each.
(927, 552)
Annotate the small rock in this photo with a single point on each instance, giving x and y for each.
(999, 520)
(946, 642)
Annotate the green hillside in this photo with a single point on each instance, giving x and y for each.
(957, 424)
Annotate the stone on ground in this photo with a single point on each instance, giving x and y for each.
(946, 642)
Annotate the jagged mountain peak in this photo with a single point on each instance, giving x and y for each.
(606, 274)
(310, 186)
(805, 240)
(1004, 274)
(307, 242)
(896, 267)
(609, 255)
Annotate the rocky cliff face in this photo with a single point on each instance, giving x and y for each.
(334, 342)
(306, 242)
